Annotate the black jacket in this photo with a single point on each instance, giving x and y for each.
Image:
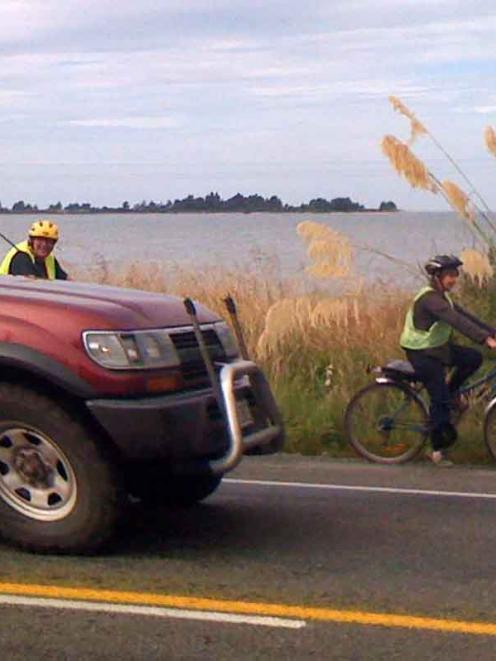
(433, 306)
(22, 264)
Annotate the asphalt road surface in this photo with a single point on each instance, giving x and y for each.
(292, 558)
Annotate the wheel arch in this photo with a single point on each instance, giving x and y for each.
(72, 400)
(37, 365)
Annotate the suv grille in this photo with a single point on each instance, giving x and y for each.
(192, 365)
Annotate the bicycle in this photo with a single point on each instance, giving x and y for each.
(387, 421)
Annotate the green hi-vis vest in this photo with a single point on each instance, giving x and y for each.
(437, 335)
(24, 247)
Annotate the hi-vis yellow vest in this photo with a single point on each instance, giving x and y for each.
(415, 339)
(24, 247)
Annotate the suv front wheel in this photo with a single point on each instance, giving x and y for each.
(58, 492)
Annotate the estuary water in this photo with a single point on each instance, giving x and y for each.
(241, 240)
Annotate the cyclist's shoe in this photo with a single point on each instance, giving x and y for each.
(439, 459)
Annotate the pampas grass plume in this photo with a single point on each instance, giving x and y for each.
(330, 251)
(490, 137)
(407, 164)
(477, 266)
(416, 127)
(459, 200)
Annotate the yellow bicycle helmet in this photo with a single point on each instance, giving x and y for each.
(44, 229)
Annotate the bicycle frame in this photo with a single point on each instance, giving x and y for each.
(489, 378)
(409, 390)
(469, 389)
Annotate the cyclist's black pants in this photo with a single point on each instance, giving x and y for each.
(431, 372)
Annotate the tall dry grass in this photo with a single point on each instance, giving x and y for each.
(490, 139)
(331, 253)
(314, 344)
(460, 201)
(416, 127)
(477, 266)
(254, 288)
(407, 164)
(314, 347)
(281, 317)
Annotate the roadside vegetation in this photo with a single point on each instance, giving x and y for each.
(315, 346)
(318, 337)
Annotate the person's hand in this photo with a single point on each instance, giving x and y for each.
(491, 342)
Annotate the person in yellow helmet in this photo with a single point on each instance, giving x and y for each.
(34, 257)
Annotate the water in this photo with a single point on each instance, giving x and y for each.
(234, 240)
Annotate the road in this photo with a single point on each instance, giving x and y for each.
(333, 560)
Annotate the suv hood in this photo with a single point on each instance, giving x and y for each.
(96, 306)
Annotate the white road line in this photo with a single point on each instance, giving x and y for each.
(151, 611)
(348, 487)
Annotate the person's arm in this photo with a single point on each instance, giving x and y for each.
(475, 320)
(439, 308)
(60, 274)
(21, 264)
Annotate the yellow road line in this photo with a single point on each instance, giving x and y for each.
(318, 614)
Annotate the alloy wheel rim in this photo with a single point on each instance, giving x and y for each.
(36, 478)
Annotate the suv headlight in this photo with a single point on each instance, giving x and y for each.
(123, 350)
(227, 339)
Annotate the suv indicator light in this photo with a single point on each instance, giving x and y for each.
(165, 383)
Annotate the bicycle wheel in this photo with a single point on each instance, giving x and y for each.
(490, 430)
(387, 423)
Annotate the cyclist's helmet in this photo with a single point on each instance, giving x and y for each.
(441, 262)
(44, 229)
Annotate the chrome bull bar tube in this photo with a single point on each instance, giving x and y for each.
(272, 434)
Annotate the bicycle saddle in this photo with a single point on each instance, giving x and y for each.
(400, 369)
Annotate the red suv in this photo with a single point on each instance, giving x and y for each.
(104, 394)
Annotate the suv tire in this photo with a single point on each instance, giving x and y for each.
(58, 492)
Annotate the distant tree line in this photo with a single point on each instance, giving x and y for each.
(211, 203)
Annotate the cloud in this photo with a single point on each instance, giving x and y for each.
(127, 122)
(10, 97)
(485, 110)
(284, 94)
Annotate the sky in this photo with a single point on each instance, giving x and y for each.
(112, 100)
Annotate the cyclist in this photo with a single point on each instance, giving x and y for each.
(427, 341)
(34, 258)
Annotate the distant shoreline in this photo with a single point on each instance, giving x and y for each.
(123, 212)
(211, 203)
